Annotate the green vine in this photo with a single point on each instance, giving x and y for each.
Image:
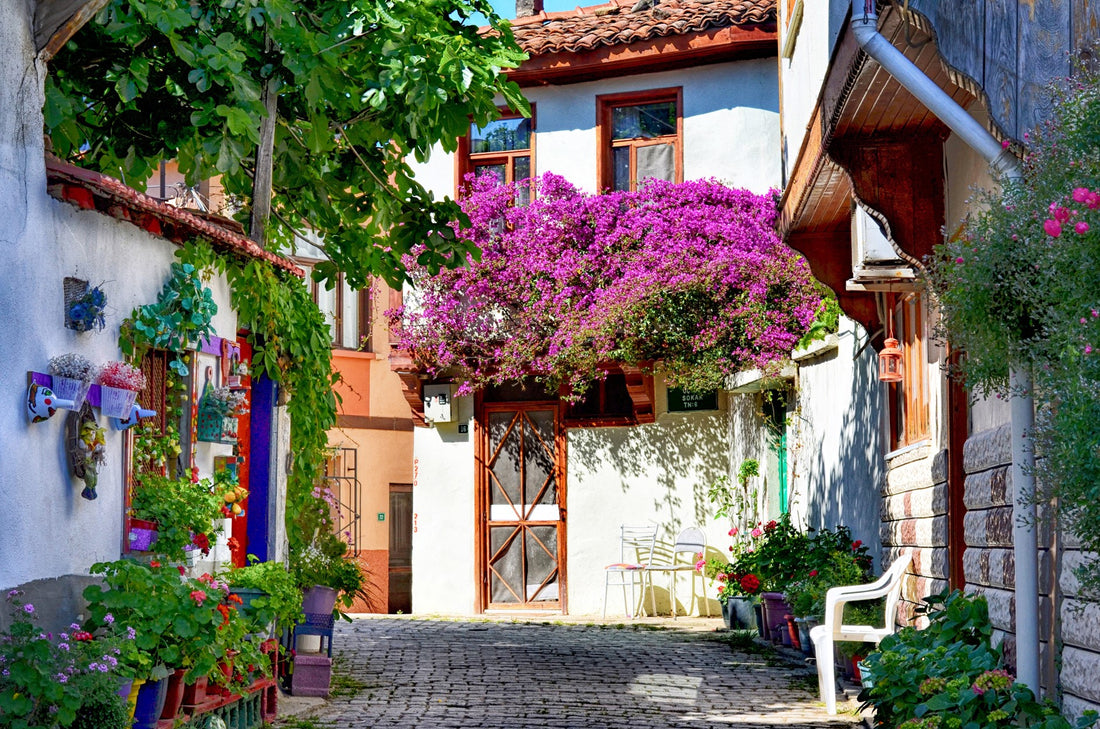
(181, 317)
(290, 345)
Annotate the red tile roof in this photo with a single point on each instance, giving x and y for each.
(614, 23)
(94, 191)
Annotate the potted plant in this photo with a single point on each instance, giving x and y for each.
(119, 384)
(86, 312)
(183, 511)
(72, 376)
(269, 593)
(328, 575)
(62, 678)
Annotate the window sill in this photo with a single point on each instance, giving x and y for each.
(907, 449)
(340, 352)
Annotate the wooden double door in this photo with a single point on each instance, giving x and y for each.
(520, 506)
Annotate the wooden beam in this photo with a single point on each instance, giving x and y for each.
(57, 21)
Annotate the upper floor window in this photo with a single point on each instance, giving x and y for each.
(347, 313)
(640, 136)
(909, 398)
(503, 148)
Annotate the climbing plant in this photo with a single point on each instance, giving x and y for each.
(290, 344)
(180, 318)
(1020, 286)
(690, 275)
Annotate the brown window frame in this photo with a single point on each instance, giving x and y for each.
(909, 419)
(602, 419)
(365, 341)
(606, 103)
(467, 161)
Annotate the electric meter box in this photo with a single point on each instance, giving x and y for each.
(439, 405)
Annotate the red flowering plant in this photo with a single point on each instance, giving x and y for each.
(833, 559)
(691, 276)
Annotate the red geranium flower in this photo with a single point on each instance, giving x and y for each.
(154, 564)
(813, 573)
(234, 545)
(857, 544)
(236, 598)
(82, 635)
(750, 584)
(771, 525)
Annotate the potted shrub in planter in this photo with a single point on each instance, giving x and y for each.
(269, 593)
(183, 511)
(328, 575)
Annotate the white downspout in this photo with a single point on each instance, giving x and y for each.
(864, 26)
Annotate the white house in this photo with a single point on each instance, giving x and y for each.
(708, 71)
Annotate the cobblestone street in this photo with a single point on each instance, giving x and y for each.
(505, 675)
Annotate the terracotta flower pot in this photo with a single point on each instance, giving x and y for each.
(173, 696)
(194, 693)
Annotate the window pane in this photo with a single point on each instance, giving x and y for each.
(497, 171)
(502, 135)
(620, 164)
(643, 120)
(350, 320)
(657, 160)
(326, 302)
(521, 170)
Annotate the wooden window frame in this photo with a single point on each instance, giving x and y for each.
(639, 413)
(466, 161)
(605, 103)
(365, 342)
(909, 419)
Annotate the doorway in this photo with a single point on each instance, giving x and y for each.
(400, 559)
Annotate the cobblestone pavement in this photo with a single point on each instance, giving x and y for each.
(510, 675)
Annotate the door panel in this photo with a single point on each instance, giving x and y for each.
(521, 519)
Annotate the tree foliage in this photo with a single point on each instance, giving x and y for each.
(691, 275)
(363, 85)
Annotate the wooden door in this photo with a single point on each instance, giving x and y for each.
(400, 563)
(521, 506)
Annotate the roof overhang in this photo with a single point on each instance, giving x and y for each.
(91, 190)
(869, 140)
(717, 45)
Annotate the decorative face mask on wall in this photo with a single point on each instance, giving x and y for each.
(42, 403)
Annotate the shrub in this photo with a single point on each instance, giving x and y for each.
(951, 676)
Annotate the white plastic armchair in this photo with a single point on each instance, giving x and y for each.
(832, 630)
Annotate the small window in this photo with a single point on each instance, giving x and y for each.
(639, 138)
(909, 398)
(503, 148)
(605, 403)
(347, 312)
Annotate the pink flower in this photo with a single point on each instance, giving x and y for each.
(1006, 143)
(1095, 313)
(721, 577)
(1088, 349)
(1080, 194)
(959, 259)
(733, 532)
(198, 596)
(1052, 227)
(1061, 214)
(1093, 201)
(700, 565)
(1081, 227)
(757, 533)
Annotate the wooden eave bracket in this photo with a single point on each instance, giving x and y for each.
(57, 21)
(640, 387)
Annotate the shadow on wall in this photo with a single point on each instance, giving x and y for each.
(843, 486)
(674, 459)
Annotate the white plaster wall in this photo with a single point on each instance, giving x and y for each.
(444, 579)
(836, 442)
(49, 530)
(731, 126)
(803, 74)
(657, 473)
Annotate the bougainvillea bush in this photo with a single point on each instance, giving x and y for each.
(1021, 286)
(688, 275)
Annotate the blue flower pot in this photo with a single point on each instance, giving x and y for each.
(150, 703)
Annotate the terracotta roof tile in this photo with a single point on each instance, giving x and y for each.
(92, 190)
(614, 23)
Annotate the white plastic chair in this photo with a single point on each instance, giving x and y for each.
(690, 541)
(832, 629)
(635, 554)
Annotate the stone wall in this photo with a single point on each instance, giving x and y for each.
(914, 516)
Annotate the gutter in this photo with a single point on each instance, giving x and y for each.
(1005, 166)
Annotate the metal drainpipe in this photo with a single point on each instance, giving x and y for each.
(864, 26)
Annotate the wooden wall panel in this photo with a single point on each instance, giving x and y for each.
(1044, 40)
(1086, 23)
(960, 31)
(1000, 64)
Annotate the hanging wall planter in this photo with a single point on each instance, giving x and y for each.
(85, 306)
(119, 384)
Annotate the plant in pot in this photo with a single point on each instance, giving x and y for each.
(72, 375)
(269, 593)
(183, 511)
(737, 600)
(53, 680)
(119, 384)
(328, 574)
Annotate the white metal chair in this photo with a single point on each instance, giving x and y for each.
(635, 554)
(832, 630)
(690, 541)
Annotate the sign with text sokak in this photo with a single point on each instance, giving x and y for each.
(682, 401)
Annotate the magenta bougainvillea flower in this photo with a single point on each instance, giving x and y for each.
(690, 278)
